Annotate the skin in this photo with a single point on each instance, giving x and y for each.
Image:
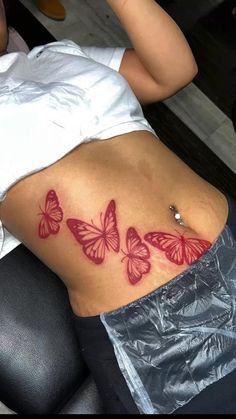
(141, 202)
(135, 170)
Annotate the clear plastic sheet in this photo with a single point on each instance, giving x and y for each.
(176, 341)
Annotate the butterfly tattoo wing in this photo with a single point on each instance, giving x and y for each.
(178, 249)
(111, 234)
(51, 216)
(138, 253)
(194, 249)
(90, 237)
(169, 243)
(96, 240)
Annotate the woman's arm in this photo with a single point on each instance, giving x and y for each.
(3, 29)
(162, 62)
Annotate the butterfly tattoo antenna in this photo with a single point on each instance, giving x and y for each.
(42, 211)
(125, 255)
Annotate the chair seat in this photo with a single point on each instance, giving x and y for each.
(40, 362)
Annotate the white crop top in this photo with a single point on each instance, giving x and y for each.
(54, 98)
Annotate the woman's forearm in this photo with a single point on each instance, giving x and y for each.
(157, 40)
(3, 29)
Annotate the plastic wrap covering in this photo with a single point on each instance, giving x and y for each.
(181, 338)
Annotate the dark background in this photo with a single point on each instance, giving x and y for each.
(210, 27)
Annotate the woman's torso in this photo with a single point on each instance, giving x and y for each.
(142, 178)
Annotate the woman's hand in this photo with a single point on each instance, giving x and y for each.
(3, 29)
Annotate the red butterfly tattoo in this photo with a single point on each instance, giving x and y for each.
(178, 249)
(137, 255)
(52, 215)
(95, 240)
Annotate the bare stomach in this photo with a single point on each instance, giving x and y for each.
(100, 218)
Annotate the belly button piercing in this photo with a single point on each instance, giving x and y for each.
(177, 215)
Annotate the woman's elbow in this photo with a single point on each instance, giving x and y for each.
(179, 81)
(187, 75)
(193, 70)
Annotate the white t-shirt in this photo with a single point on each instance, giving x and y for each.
(54, 98)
